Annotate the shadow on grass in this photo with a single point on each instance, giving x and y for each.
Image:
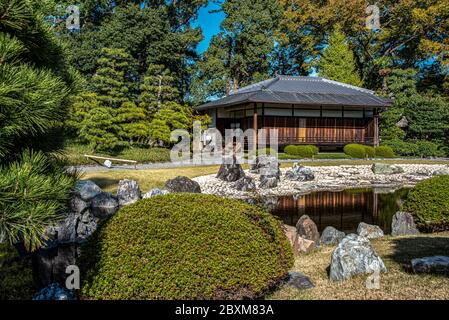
(105, 183)
(406, 249)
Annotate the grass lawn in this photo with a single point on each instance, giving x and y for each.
(395, 284)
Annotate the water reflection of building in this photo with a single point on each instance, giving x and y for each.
(342, 210)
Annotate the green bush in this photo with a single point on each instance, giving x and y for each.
(416, 148)
(429, 204)
(384, 152)
(355, 151)
(370, 152)
(307, 151)
(185, 246)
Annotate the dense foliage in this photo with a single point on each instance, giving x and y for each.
(36, 83)
(185, 246)
(429, 204)
(307, 151)
(384, 152)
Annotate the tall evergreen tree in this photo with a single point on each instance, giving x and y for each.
(134, 124)
(35, 87)
(158, 87)
(337, 61)
(109, 82)
(240, 53)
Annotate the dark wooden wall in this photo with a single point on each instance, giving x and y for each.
(321, 131)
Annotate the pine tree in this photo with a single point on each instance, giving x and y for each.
(100, 129)
(337, 61)
(36, 83)
(157, 88)
(109, 82)
(134, 126)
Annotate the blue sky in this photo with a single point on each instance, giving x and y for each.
(209, 23)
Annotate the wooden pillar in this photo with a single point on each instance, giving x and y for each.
(255, 125)
(376, 128)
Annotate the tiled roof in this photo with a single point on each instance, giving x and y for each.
(301, 90)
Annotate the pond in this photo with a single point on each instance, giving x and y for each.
(343, 210)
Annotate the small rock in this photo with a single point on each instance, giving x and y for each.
(78, 205)
(354, 255)
(230, 171)
(300, 173)
(155, 192)
(267, 182)
(302, 245)
(86, 189)
(128, 192)
(307, 229)
(182, 184)
(403, 224)
(290, 233)
(330, 236)
(433, 265)
(54, 292)
(369, 231)
(104, 205)
(245, 184)
(299, 280)
(387, 169)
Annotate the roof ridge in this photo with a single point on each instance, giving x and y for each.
(350, 86)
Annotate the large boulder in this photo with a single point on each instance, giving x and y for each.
(354, 255)
(298, 280)
(300, 173)
(230, 170)
(54, 292)
(104, 205)
(433, 265)
(403, 224)
(182, 184)
(307, 229)
(383, 168)
(155, 192)
(128, 192)
(290, 233)
(331, 236)
(245, 184)
(302, 245)
(268, 182)
(86, 189)
(369, 231)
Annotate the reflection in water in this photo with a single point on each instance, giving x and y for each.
(343, 210)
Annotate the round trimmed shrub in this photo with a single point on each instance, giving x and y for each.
(185, 246)
(384, 152)
(355, 150)
(306, 151)
(370, 152)
(428, 201)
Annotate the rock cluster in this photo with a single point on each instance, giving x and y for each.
(230, 170)
(354, 255)
(300, 173)
(383, 168)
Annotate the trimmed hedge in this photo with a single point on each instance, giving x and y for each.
(428, 201)
(384, 152)
(185, 246)
(307, 151)
(355, 150)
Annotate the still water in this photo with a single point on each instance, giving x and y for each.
(343, 210)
